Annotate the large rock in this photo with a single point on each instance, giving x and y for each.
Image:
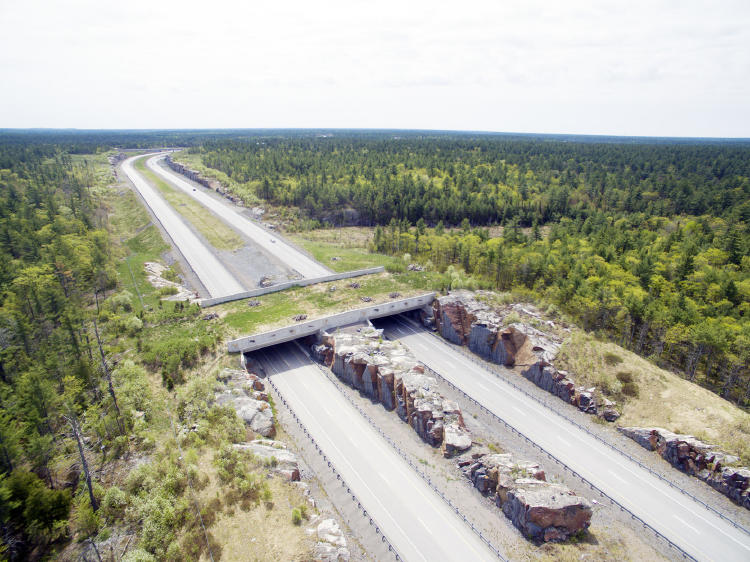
(276, 455)
(546, 512)
(541, 510)
(245, 392)
(331, 545)
(462, 319)
(696, 458)
(387, 373)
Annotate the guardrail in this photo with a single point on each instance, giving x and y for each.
(406, 457)
(491, 368)
(372, 521)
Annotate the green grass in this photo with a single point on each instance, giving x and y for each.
(278, 309)
(351, 258)
(218, 234)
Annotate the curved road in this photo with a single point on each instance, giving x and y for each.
(214, 276)
(686, 523)
(419, 524)
(271, 243)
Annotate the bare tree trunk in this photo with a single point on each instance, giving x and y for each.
(109, 380)
(73, 421)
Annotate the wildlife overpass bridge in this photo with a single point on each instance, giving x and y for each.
(309, 327)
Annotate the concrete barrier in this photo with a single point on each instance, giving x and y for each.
(309, 327)
(288, 284)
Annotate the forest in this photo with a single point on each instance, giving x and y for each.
(645, 241)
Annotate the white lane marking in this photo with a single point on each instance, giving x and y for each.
(425, 525)
(620, 478)
(520, 411)
(563, 441)
(681, 520)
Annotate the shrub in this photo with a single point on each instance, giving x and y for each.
(512, 318)
(138, 555)
(114, 503)
(86, 521)
(630, 389)
(121, 301)
(132, 325)
(612, 358)
(296, 516)
(624, 377)
(395, 267)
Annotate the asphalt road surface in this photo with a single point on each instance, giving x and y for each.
(214, 276)
(414, 518)
(271, 243)
(686, 523)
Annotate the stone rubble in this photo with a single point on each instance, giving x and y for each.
(387, 373)
(541, 510)
(463, 320)
(696, 458)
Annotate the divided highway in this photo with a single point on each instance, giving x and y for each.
(696, 530)
(271, 243)
(413, 517)
(217, 280)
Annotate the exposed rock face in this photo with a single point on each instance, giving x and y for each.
(198, 178)
(696, 458)
(540, 510)
(462, 319)
(331, 545)
(282, 460)
(387, 373)
(245, 392)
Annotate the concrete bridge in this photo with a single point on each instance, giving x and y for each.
(310, 327)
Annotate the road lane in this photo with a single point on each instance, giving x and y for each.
(271, 243)
(686, 523)
(413, 517)
(215, 278)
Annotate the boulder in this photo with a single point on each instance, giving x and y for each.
(541, 510)
(276, 455)
(546, 512)
(696, 458)
(329, 531)
(245, 392)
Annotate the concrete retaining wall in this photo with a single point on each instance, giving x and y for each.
(288, 284)
(307, 328)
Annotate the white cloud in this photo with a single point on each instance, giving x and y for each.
(639, 67)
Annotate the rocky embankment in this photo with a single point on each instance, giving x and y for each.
(463, 320)
(541, 510)
(696, 458)
(198, 178)
(387, 373)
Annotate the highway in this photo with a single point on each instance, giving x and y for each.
(698, 531)
(419, 524)
(215, 278)
(271, 243)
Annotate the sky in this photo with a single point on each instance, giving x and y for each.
(641, 68)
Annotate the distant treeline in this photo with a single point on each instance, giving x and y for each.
(487, 179)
